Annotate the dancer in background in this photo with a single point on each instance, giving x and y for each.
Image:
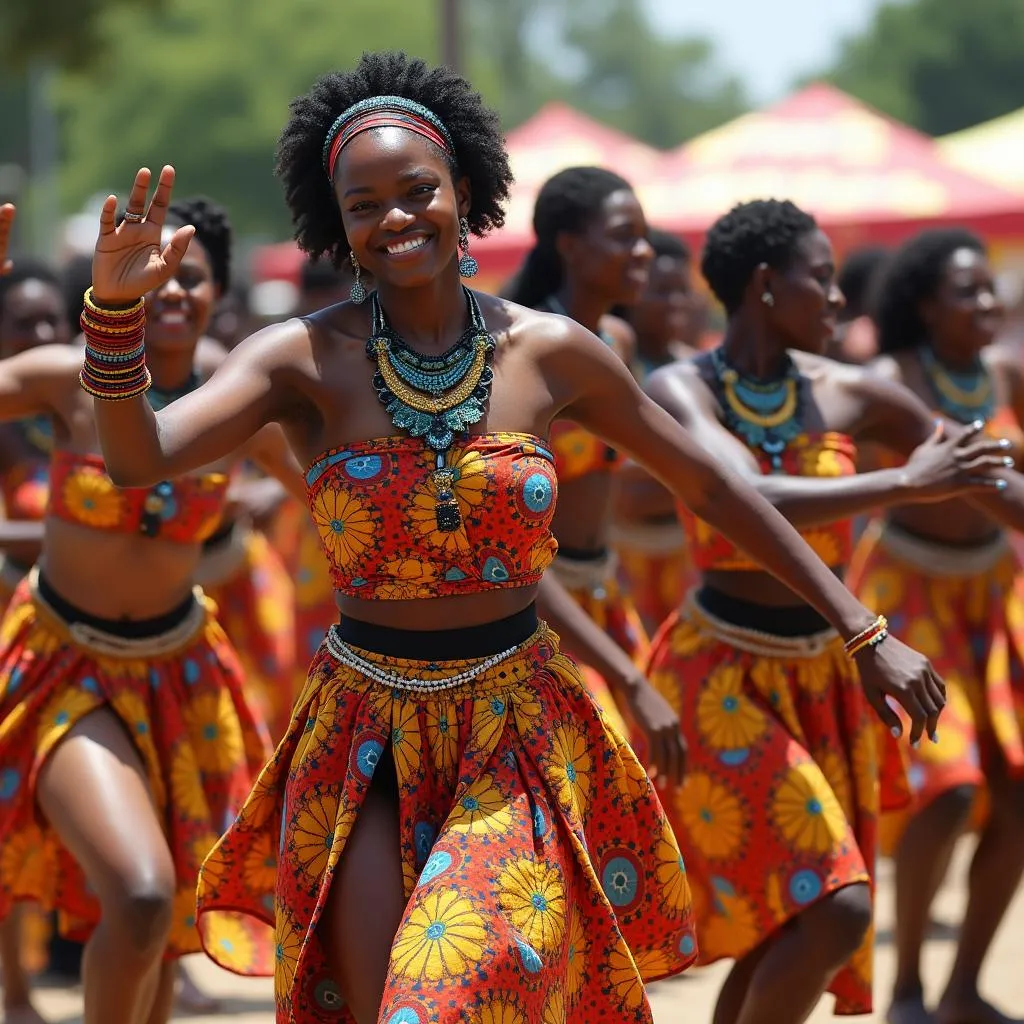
(779, 808)
(946, 575)
(668, 319)
(591, 254)
(126, 742)
(32, 313)
(458, 835)
(856, 338)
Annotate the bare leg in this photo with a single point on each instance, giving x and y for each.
(785, 977)
(922, 860)
(93, 791)
(367, 900)
(189, 997)
(163, 996)
(995, 873)
(18, 1007)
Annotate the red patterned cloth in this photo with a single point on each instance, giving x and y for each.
(185, 713)
(781, 799)
(543, 880)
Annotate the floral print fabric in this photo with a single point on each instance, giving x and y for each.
(780, 803)
(374, 506)
(972, 630)
(544, 884)
(200, 746)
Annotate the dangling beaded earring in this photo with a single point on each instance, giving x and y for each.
(357, 293)
(767, 298)
(467, 264)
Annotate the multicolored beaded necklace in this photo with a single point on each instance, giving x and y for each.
(766, 414)
(964, 396)
(434, 397)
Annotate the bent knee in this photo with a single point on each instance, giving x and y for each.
(840, 922)
(139, 912)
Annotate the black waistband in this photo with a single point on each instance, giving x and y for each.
(441, 644)
(582, 555)
(127, 629)
(220, 536)
(789, 620)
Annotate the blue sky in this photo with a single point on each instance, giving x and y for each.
(768, 43)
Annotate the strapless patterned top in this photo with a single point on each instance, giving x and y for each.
(579, 453)
(374, 505)
(186, 511)
(818, 455)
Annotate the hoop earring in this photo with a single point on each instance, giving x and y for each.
(357, 293)
(468, 266)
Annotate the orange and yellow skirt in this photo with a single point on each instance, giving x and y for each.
(255, 596)
(964, 610)
(655, 569)
(595, 587)
(543, 880)
(179, 697)
(781, 799)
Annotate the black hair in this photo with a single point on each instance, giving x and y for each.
(27, 270)
(664, 243)
(77, 278)
(213, 232)
(762, 231)
(475, 131)
(566, 202)
(914, 274)
(316, 274)
(858, 278)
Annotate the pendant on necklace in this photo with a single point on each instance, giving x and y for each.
(446, 508)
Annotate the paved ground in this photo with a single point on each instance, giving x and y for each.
(687, 999)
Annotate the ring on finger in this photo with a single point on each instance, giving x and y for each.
(133, 218)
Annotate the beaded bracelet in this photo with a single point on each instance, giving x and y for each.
(870, 637)
(115, 351)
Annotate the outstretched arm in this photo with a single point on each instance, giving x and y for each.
(599, 393)
(945, 463)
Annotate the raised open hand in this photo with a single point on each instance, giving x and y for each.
(129, 259)
(6, 220)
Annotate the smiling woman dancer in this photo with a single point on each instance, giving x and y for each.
(458, 832)
(125, 742)
(948, 575)
(779, 809)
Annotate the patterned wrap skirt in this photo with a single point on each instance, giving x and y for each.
(780, 803)
(255, 600)
(654, 569)
(179, 697)
(964, 610)
(594, 585)
(543, 880)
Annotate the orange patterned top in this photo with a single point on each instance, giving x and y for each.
(821, 455)
(186, 511)
(578, 452)
(373, 504)
(25, 490)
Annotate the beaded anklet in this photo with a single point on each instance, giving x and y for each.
(115, 351)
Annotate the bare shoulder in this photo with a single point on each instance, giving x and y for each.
(521, 328)
(622, 334)
(284, 346)
(210, 353)
(51, 363)
(1005, 357)
(888, 368)
(681, 389)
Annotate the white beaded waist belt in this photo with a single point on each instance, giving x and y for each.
(347, 655)
(937, 559)
(753, 641)
(585, 574)
(110, 645)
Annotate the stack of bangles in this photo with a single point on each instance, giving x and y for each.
(870, 637)
(115, 350)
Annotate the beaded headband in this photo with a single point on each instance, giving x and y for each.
(384, 112)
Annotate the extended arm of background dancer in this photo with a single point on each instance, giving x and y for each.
(943, 461)
(608, 402)
(585, 639)
(1005, 502)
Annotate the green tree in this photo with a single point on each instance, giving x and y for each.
(938, 65)
(66, 32)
